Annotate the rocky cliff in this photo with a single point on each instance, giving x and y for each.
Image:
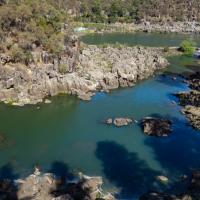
(94, 69)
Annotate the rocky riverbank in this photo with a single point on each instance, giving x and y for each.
(191, 100)
(39, 186)
(94, 69)
(145, 26)
(191, 193)
(169, 27)
(47, 186)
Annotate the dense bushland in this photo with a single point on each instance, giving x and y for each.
(26, 25)
(135, 10)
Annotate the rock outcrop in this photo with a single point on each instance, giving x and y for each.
(96, 69)
(119, 122)
(39, 186)
(169, 27)
(156, 127)
(187, 27)
(191, 100)
(191, 193)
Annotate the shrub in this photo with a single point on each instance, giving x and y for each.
(166, 49)
(62, 68)
(26, 22)
(19, 55)
(188, 47)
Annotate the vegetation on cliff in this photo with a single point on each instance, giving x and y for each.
(188, 47)
(26, 25)
(135, 10)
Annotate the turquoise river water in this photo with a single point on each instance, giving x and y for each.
(69, 136)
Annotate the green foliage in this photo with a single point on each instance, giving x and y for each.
(19, 55)
(111, 11)
(188, 47)
(27, 22)
(62, 68)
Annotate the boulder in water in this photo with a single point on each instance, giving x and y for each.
(122, 122)
(119, 122)
(156, 127)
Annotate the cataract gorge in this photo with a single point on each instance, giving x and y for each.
(99, 100)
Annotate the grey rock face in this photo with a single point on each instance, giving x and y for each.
(96, 69)
(169, 27)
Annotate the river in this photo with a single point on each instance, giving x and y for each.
(68, 135)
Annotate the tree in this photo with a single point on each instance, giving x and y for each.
(188, 47)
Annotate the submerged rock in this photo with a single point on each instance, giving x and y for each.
(2, 138)
(47, 101)
(195, 184)
(84, 96)
(164, 196)
(156, 127)
(8, 190)
(162, 179)
(191, 193)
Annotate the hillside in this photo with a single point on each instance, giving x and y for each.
(31, 28)
(135, 10)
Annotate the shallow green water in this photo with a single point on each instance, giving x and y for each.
(146, 39)
(69, 135)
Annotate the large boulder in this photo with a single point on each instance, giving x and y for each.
(156, 127)
(119, 122)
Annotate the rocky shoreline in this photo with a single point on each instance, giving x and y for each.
(95, 69)
(192, 192)
(169, 27)
(185, 27)
(191, 100)
(38, 186)
(81, 187)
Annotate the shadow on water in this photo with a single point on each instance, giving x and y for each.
(7, 172)
(125, 169)
(64, 188)
(8, 191)
(179, 153)
(61, 170)
(172, 79)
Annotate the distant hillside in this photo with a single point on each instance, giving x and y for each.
(27, 26)
(134, 10)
